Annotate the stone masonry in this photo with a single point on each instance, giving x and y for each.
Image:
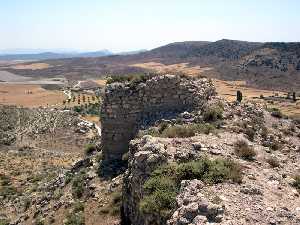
(127, 107)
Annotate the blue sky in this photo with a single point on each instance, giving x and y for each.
(121, 25)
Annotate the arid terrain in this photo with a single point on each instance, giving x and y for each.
(53, 168)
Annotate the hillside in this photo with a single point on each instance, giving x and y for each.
(263, 65)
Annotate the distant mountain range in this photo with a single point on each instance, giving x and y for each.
(271, 65)
(39, 54)
(53, 55)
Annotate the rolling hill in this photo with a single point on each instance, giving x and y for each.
(271, 65)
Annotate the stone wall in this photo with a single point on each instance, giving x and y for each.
(127, 107)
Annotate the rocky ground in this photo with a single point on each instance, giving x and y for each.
(48, 170)
(48, 174)
(267, 193)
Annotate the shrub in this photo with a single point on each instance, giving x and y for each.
(250, 132)
(89, 149)
(264, 132)
(7, 190)
(114, 207)
(69, 177)
(39, 221)
(78, 185)
(181, 131)
(116, 203)
(239, 96)
(296, 183)
(243, 150)
(213, 113)
(273, 144)
(276, 113)
(163, 185)
(4, 222)
(125, 156)
(273, 162)
(75, 219)
(78, 207)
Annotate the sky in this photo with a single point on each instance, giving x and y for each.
(126, 25)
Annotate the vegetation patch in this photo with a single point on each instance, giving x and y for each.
(78, 185)
(180, 131)
(131, 78)
(88, 109)
(89, 149)
(276, 112)
(273, 162)
(163, 185)
(7, 190)
(296, 183)
(213, 113)
(244, 150)
(114, 206)
(4, 222)
(75, 219)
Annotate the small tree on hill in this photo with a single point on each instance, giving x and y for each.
(239, 96)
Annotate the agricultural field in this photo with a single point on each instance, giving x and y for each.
(31, 96)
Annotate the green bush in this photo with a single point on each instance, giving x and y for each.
(114, 206)
(39, 221)
(163, 185)
(89, 149)
(273, 162)
(276, 113)
(243, 150)
(213, 113)
(78, 185)
(7, 190)
(78, 207)
(250, 132)
(75, 219)
(296, 183)
(181, 131)
(4, 222)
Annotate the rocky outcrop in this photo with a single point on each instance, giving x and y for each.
(265, 196)
(193, 207)
(128, 107)
(144, 156)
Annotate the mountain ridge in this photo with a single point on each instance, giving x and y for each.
(268, 65)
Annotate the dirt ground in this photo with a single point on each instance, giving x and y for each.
(29, 95)
(100, 82)
(33, 66)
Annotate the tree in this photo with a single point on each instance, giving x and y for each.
(239, 96)
(294, 96)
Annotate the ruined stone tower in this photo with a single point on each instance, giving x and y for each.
(127, 107)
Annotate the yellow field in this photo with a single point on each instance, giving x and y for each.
(180, 67)
(33, 66)
(31, 96)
